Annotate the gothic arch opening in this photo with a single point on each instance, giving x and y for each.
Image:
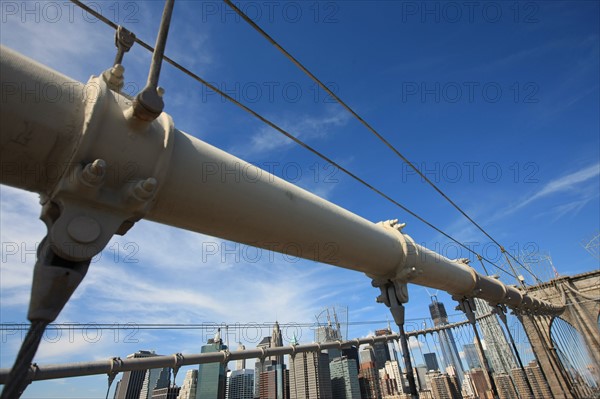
(575, 358)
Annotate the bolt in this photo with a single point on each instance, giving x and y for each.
(93, 173)
(399, 226)
(117, 70)
(149, 184)
(145, 189)
(160, 91)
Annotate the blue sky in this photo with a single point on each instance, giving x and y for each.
(498, 102)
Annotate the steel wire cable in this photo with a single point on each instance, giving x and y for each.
(292, 137)
(367, 125)
(18, 377)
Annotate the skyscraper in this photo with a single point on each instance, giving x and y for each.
(351, 353)
(309, 376)
(211, 376)
(272, 341)
(472, 356)
(392, 368)
(504, 384)
(538, 382)
(259, 368)
(189, 386)
(444, 386)
(381, 350)
(498, 351)
(277, 341)
(131, 384)
(431, 361)
(241, 384)
(481, 384)
(366, 354)
(327, 334)
(155, 379)
(518, 377)
(468, 389)
(241, 363)
(166, 393)
(344, 378)
(274, 382)
(449, 351)
(368, 375)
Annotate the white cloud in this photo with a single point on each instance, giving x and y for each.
(304, 128)
(563, 184)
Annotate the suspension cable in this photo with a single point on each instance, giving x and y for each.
(365, 123)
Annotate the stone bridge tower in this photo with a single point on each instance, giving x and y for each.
(581, 295)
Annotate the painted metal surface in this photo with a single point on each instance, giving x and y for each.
(201, 188)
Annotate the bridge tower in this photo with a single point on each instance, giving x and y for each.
(581, 295)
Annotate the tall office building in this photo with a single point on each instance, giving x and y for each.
(504, 384)
(538, 382)
(381, 350)
(431, 361)
(351, 353)
(131, 384)
(368, 378)
(471, 356)
(277, 341)
(366, 355)
(190, 383)
(468, 389)
(241, 384)
(241, 363)
(274, 382)
(259, 368)
(480, 384)
(421, 379)
(393, 370)
(447, 342)
(155, 379)
(499, 352)
(344, 378)
(309, 376)
(272, 341)
(518, 377)
(328, 334)
(211, 376)
(166, 393)
(444, 386)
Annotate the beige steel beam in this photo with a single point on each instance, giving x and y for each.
(99, 170)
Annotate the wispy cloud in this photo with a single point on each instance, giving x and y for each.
(562, 184)
(306, 128)
(568, 195)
